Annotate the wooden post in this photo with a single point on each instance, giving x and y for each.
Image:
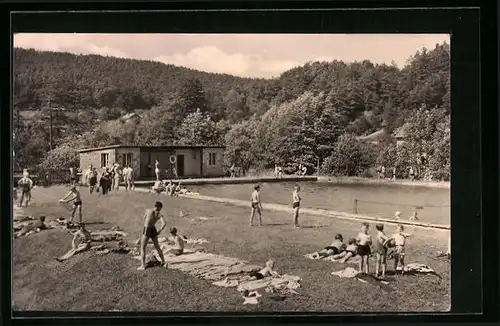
(317, 167)
(50, 124)
(355, 207)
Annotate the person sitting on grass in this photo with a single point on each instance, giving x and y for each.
(158, 187)
(177, 189)
(36, 226)
(170, 188)
(266, 271)
(350, 251)
(178, 248)
(83, 237)
(74, 195)
(335, 248)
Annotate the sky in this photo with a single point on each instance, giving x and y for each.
(245, 55)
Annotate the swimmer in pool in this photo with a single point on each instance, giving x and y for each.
(149, 232)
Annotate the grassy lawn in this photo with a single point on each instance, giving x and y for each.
(102, 283)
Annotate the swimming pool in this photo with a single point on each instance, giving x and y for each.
(373, 200)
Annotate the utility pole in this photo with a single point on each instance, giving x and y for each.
(50, 123)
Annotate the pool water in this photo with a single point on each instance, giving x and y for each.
(373, 200)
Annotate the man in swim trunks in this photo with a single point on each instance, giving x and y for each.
(296, 205)
(25, 184)
(83, 236)
(149, 232)
(256, 205)
(74, 195)
(380, 248)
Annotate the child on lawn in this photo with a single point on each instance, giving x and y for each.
(266, 271)
(335, 248)
(380, 248)
(400, 243)
(364, 242)
(350, 251)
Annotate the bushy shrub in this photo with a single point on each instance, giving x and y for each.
(349, 158)
(61, 158)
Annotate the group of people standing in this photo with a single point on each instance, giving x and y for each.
(110, 178)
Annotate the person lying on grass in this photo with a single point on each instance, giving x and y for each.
(350, 251)
(74, 195)
(266, 271)
(149, 232)
(399, 241)
(335, 248)
(178, 242)
(36, 226)
(81, 242)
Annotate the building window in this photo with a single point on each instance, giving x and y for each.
(127, 159)
(211, 158)
(104, 160)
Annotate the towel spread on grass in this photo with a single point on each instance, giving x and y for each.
(363, 278)
(224, 271)
(186, 240)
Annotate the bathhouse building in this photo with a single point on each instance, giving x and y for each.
(184, 161)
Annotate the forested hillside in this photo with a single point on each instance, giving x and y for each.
(310, 114)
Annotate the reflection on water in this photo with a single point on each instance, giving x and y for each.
(373, 200)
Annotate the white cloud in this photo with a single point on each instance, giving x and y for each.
(278, 66)
(74, 43)
(210, 59)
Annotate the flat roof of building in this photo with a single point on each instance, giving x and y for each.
(86, 150)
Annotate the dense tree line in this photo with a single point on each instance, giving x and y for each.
(309, 115)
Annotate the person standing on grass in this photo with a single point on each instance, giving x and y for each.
(296, 205)
(112, 177)
(400, 243)
(149, 232)
(118, 177)
(74, 195)
(380, 249)
(25, 184)
(364, 241)
(256, 205)
(128, 177)
(92, 179)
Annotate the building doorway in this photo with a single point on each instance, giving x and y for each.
(180, 165)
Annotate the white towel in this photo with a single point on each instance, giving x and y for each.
(346, 273)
